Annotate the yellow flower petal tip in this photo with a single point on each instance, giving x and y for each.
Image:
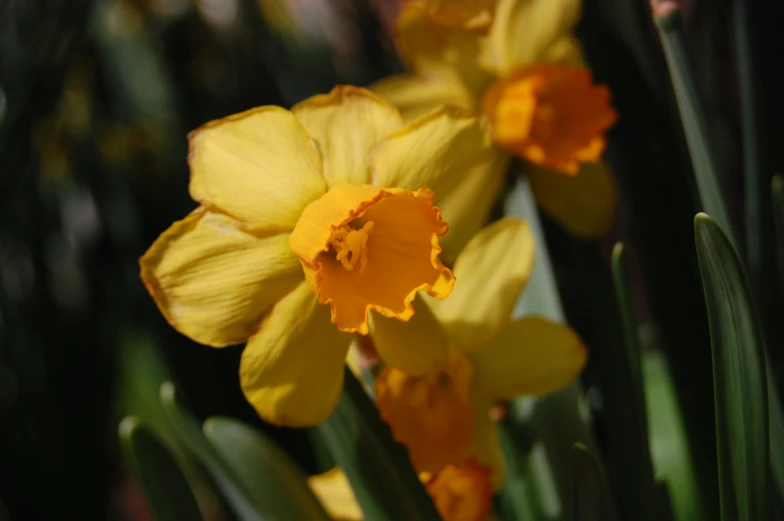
(339, 95)
(334, 492)
(431, 414)
(474, 15)
(363, 247)
(463, 493)
(551, 115)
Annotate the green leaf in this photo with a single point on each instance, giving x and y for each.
(693, 117)
(776, 437)
(740, 381)
(274, 478)
(239, 494)
(591, 494)
(672, 459)
(635, 479)
(517, 498)
(777, 193)
(379, 470)
(164, 485)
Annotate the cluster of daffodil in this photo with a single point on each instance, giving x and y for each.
(360, 217)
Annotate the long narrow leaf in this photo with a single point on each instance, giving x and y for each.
(273, 476)
(164, 485)
(591, 493)
(516, 499)
(777, 193)
(245, 500)
(740, 381)
(637, 480)
(379, 470)
(695, 123)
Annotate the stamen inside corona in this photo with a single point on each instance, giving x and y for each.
(334, 238)
(350, 245)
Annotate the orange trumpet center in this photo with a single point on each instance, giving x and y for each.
(551, 115)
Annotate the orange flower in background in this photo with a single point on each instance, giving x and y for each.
(550, 115)
(527, 77)
(434, 406)
(443, 416)
(314, 223)
(462, 493)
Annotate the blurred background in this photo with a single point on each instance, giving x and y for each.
(96, 99)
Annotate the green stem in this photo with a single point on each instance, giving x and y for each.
(694, 120)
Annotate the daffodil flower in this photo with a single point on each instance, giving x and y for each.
(528, 79)
(310, 219)
(442, 416)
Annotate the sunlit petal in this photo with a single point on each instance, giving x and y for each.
(531, 356)
(415, 95)
(346, 123)
(292, 369)
(213, 281)
(416, 346)
(436, 151)
(260, 166)
(524, 30)
(584, 204)
(467, 205)
(490, 274)
(435, 51)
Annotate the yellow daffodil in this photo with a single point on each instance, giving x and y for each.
(528, 79)
(459, 493)
(309, 220)
(442, 416)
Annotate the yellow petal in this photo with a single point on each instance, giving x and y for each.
(346, 123)
(259, 166)
(532, 355)
(463, 493)
(436, 151)
(584, 204)
(291, 371)
(416, 346)
(474, 15)
(523, 31)
(430, 414)
(566, 51)
(415, 96)
(336, 495)
(490, 274)
(363, 247)
(436, 51)
(467, 205)
(212, 281)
